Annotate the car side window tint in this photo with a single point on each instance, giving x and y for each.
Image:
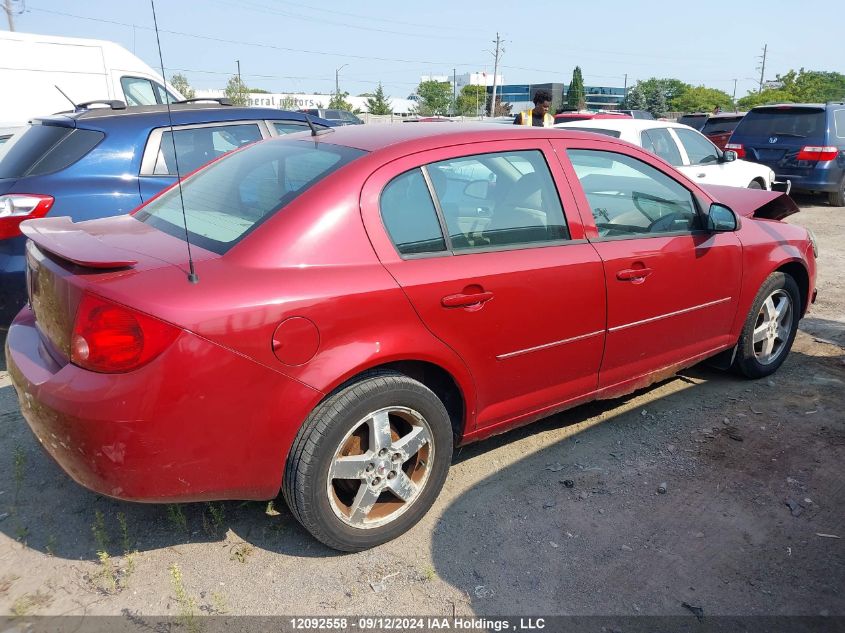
(138, 91)
(289, 127)
(408, 213)
(839, 123)
(630, 198)
(699, 149)
(660, 142)
(197, 146)
(499, 199)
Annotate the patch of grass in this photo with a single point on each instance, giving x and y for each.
(271, 510)
(429, 573)
(19, 465)
(177, 517)
(218, 603)
(101, 537)
(187, 605)
(212, 526)
(107, 575)
(51, 545)
(124, 532)
(21, 532)
(241, 552)
(27, 603)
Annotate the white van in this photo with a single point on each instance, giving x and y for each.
(31, 66)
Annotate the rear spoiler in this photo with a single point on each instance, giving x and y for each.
(772, 205)
(64, 239)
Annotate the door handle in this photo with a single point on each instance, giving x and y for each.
(633, 274)
(700, 175)
(465, 300)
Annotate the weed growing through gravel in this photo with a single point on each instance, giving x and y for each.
(28, 602)
(107, 574)
(51, 545)
(429, 574)
(218, 603)
(187, 605)
(218, 516)
(177, 517)
(19, 461)
(241, 552)
(99, 531)
(124, 532)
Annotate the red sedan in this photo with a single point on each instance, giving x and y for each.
(370, 298)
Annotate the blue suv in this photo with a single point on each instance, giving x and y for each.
(802, 142)
(106, 161)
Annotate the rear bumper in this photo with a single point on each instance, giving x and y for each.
(198, 423)
(815, 180)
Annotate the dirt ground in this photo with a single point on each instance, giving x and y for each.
(562, 517)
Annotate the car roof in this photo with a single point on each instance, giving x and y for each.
(372, 138)
(623, 125)
(182, 114)
(792, 105)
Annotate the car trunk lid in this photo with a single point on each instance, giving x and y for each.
(65, 259)
(757, 203)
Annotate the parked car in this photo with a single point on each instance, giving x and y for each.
(564, 117)
(37, 67)
(100, 162)
(695, 120)
(684, 148)
(802, 142)
(334, 117)
(719, 127)
(372, 297)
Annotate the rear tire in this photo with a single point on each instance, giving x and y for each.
(837, 198)
(369, 461)
(770, 327)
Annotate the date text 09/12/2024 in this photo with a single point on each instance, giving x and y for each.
(416, 624)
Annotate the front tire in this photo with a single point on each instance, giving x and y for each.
(369, 461)
(755, 184)
(770, 327)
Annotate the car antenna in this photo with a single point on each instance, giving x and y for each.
(314, 130)
(192, 275)
(65, 96)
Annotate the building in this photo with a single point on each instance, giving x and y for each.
(296, 101)
(521, 96)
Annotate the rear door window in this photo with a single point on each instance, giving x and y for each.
(700, 150)
(660, 142)
(289, 127)
(409, 216)
(839, 123)
(199, 145)
(43, 149)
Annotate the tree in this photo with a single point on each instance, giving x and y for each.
(668, 87)
(180, 82)
(634, 100)
(701, 99)
(766, 97)
(237, 92)
(339, 102)
(655, 102)
(805, 86)
(435, 97)
(502, 108)
(288, 103)
(575, 97)
(471, 100)
(379, 103)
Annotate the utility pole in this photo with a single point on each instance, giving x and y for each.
(499, 50)
(734, 96)
(763, 68)
(337, 79)
(625, 91)
(454, 92)
(9, 14)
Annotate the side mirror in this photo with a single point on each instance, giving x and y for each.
(721, 219)
(729, 156)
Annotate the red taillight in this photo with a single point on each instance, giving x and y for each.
(111, 338)
(17, 207)
(817, 153)
(737, 147)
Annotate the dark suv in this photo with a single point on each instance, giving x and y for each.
(801, 142)
(106, 161)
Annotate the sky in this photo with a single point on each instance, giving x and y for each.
(288, 46)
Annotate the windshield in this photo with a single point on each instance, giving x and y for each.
(786, 122)
(229, 198)
(721, 125)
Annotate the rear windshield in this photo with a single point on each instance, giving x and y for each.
(228, 199)
(721, 125)
(786, 123)
(43, 149)
(695, 121)
(595, 130)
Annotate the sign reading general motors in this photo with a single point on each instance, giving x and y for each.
(287, 101)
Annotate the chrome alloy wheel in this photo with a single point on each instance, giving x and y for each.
(380, 467)
(772, 328)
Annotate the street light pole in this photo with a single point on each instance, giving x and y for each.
(337, 79)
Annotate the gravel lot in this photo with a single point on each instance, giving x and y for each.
(563, 517)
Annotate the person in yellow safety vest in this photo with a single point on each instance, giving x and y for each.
(539, 116)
